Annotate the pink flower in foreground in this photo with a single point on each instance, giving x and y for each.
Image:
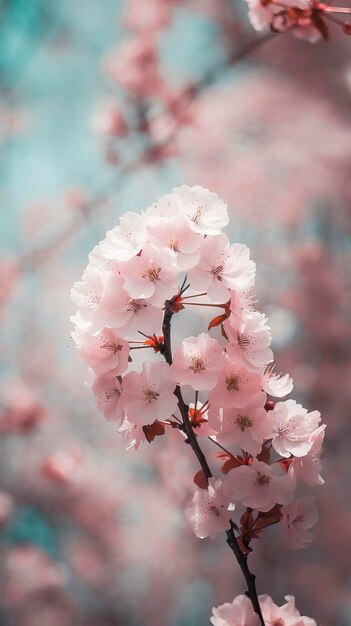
(197, 362)
(257, 487)
(249, 343)
(235, 386)
(148, 395)
(292, 428)
(86, 295)
(132, 434)
(174, 233)
(237, 613)
(206, 212)
(241, 303)
(297, 518)
(208, 512)
(128, 315)
(167, 206)
(107, 390)
(308, 468)
(248, 426)
(152, 275)
(104, 351)
(222, 267)
(285, 615)
(276, 385)
(125, 241)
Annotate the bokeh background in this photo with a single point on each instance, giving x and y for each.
(104, 106)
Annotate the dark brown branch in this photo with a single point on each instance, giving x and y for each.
(183, 407)
(232, 542)
(250, 578)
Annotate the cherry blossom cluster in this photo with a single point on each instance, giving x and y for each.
(306, 19)
(219, 385)
(240, 612)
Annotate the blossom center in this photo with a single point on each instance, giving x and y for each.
(262, 480)
(214, 510)
(174, 244)
(135, 305)
(243, 341)
(217, 271)
(114, 347)
(112, 392)
(243, 421)
(197, 364)
(232, 383)
(152, 273)
(150, 394)
(198, 214)
(278, 622)
(92, 300)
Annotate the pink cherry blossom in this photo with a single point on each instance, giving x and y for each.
(308, 468)
(274, 13)
(104, 351)
(206, 212)
(86, 295)
(241, 303)
(248, 426)
(235, 386)
(128, 315)
(249, 343)
(197, 362)
(258, 487)
(276, 385)
(292, 428)
(148, 395)
(174, 233)
(132, 434)
(222, 267)
(125, 241)
(152, 275)
(297, 518)
(208, 512)
(167, 206)
(285, 615)
(107, 390)
(237, 613)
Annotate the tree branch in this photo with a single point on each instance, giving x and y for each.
(232, 542)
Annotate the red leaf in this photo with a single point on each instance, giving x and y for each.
(231, 463)
(246, 520)
(320, 25)
(244, 546)
(217, 321)
(153, 430)
(285, 464)
(267, 519)
(200, 479)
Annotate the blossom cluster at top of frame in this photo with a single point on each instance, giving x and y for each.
(176, 252)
